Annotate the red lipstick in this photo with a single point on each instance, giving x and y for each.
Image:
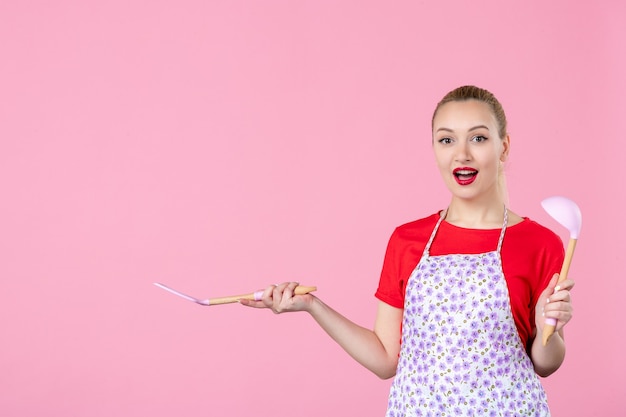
(464, 175)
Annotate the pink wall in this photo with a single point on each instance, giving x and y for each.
(219, 146)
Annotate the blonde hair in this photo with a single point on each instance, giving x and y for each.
(471, 92)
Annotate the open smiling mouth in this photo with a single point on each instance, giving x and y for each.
(465, 176)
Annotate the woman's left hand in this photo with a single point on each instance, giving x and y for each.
(555, 302)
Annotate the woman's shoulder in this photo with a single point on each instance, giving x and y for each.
(415, 231)
(411, 237)
(419, 226)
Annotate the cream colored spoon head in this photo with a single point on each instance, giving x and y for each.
(185, 296)
(566, 212)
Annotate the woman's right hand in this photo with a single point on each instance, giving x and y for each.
(281, 298)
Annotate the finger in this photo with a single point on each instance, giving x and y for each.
(560, 295)
(278, 292)
(559, 310)
(289, 290)
(566, 284)
(279, 298)
(268, 296)
(288, 296)
(557, 307)
(557, 304)
(252, 303)
(544, 298)
(281, 287)
(563, 321)
(561, 316)
(552, 284)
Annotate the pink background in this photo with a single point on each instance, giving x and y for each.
(220, 146)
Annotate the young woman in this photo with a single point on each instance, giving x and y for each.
(464, 292)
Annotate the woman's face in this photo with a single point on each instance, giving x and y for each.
(468, 149)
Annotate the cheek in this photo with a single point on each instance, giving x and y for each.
(441, 158)
(492, 156)
(442, 165)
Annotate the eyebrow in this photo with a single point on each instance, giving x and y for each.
(445, 129)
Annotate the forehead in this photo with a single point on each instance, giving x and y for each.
(460, 115)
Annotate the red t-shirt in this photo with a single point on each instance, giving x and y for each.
(531, 254)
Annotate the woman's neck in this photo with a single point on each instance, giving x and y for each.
(474, 215)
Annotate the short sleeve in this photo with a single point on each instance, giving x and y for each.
(391, 285)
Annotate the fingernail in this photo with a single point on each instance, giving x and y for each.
(557, 288)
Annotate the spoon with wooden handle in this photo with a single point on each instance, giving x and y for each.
(568, 214)
(300, 290)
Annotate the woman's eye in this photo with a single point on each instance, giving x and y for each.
(479, 138)
(445, 141)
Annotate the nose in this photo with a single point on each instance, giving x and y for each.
(462, 152)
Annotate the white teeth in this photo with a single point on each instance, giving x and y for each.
(464, 172)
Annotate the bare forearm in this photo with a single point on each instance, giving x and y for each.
(376, 349)
(547, 359)
(363, 344)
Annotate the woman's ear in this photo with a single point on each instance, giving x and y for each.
(506, 147)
